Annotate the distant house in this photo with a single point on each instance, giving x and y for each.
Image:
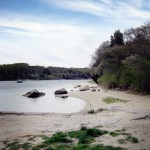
(34, 76)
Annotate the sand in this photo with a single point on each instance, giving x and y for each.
(133, 115)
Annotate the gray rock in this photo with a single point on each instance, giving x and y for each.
(93, 90)
(78, 86)
(85, 88)
(34, 94)
(61, 91)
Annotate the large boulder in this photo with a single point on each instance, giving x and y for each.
(84, 88)
(61, 91)
(34, 94)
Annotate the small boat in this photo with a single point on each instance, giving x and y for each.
(19, 81)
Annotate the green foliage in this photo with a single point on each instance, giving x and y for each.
(95, 147)
(24, 71)
(26, 146)
(122, 141)
(58, 137)
(122, 130)
(110, 100)
(132, 139)
(108, 80)
(114, 134)
(129, 138)
(117, 39)
(74, 140)
(85, 135)
(126, 66)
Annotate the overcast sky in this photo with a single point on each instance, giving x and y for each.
(63, 32)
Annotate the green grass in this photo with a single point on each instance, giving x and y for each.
(132, 139)
(114, 134)
(58, 137)
(26, 146)
(85, 135)
(122, 141)
(129, 138)
(40, 146)
(110, 100)
(81, 139)
(5, 142)
(13, 145)
(122, 130)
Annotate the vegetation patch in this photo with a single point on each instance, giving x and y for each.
(114, 134)
(122, 141)
(83, 138)
(110, 100)
(92, 111)
(129, 138)
(58, 137)
(122, 130)
(132, 139)
(85, 135)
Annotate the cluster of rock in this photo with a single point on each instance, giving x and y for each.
(86, 88)
(61, 92)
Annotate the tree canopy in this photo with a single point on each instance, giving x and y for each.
(116, 39)
(125, 64)
(24, 71)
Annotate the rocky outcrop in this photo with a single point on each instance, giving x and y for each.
(34, 94)
(85, 88)
(61, 91)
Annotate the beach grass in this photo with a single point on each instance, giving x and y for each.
(110, 100)
(84, 138)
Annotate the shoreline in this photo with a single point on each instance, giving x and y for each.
(133, 115)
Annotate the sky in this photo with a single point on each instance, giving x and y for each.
(63, 33)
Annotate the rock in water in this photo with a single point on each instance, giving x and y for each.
(34, 94)
(85, 88)
(61, 91)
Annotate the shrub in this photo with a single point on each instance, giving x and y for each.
(108, 80)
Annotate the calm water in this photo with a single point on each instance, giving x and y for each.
(11, 99)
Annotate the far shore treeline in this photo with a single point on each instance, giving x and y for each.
(25, 71)
(124, 61)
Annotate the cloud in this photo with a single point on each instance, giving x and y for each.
(55, 44)
(110, 9)
(20, 24)
(44, 39)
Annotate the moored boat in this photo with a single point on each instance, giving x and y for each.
(19, 81)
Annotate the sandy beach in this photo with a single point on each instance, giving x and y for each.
(133, 115)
